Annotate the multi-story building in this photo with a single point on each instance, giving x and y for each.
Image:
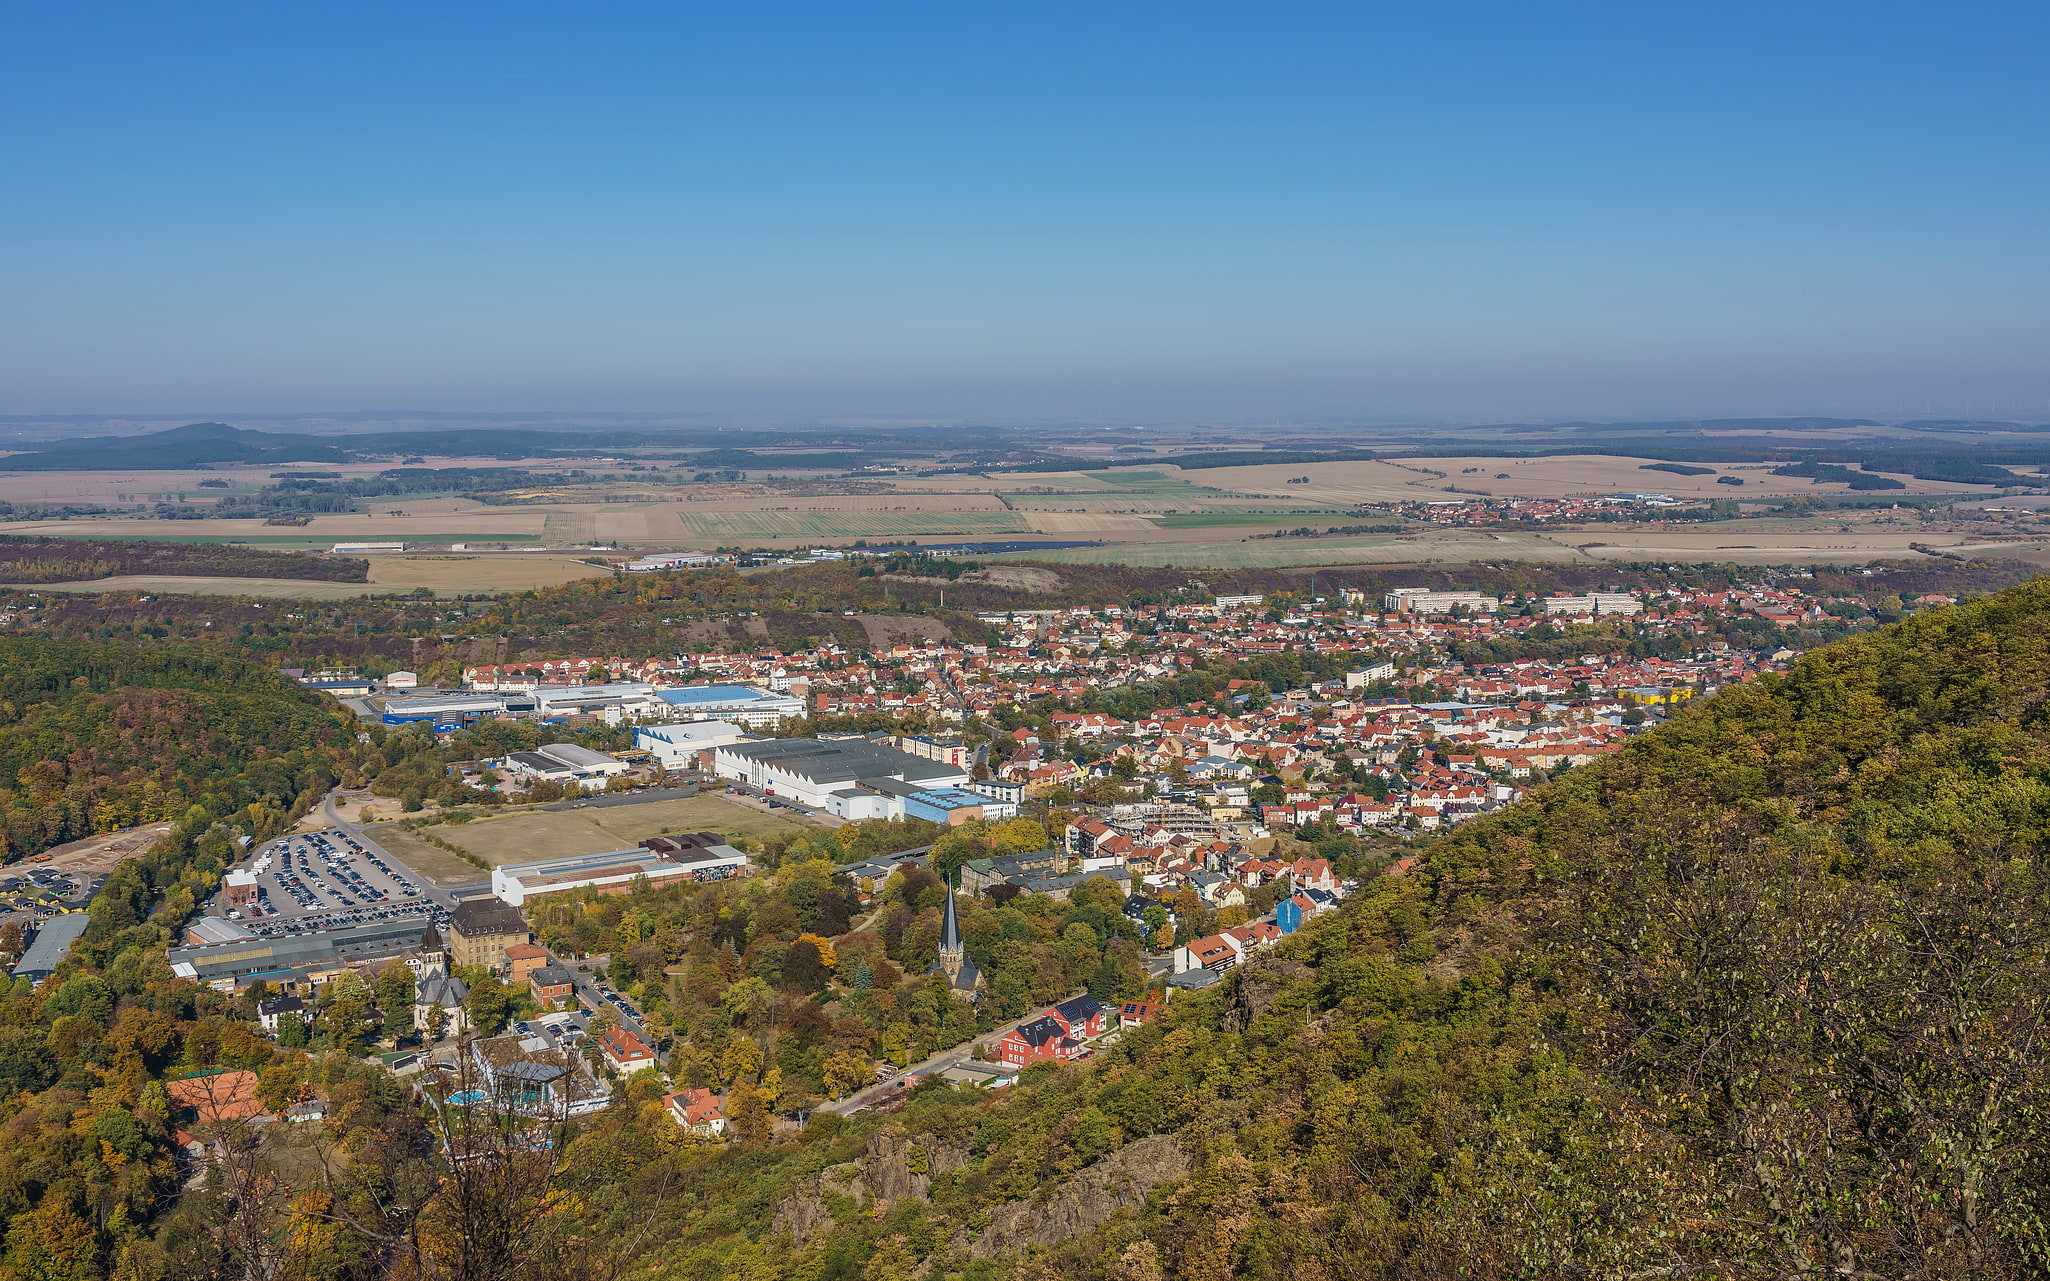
(1621, 603)
(551, 984)
(481, 929)
(1424, 600)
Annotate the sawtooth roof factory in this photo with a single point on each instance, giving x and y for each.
(852, 778)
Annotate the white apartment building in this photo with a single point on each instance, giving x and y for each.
(1620, 603)
(1423, 600)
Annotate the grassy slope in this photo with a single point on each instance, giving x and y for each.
(1761, 995)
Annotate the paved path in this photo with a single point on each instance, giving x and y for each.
(880, 1092)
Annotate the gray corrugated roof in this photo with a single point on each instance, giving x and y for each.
(53, 942)
(842, 760)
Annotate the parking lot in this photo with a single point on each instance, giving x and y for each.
(766, 799)
(329, 880)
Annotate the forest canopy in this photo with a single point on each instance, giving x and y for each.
(95, 737)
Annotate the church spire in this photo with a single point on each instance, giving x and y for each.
(952, 953)
(950, 929)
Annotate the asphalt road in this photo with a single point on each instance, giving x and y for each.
(626, 798)
(869, 1096)
(594, 1000)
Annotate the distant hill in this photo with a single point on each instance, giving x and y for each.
(189, 446)
(198, 444)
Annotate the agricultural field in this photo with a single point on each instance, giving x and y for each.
(726, 526)
(1565, 476)
(536, 834)
(447, 575)
(453, 519)
(1790, 543)
(1456, 546)
(1219, 517)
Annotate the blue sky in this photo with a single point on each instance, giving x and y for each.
(1157, 212)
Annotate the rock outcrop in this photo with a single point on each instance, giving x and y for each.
(1255, 988)
(1119, 1181)
(894, 1168)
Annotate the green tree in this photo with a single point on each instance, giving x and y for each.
(487, 1004)
(804, 969)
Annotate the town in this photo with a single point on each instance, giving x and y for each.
(1015, 848)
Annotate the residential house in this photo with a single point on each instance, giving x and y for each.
(552, 985)
(1138, 1013)
(522, 959)
(1041, 1040)
(1083, 1016)
(1295, 911)
(1207, 953)
(624, 1052)
(271, 1013)
(699, 1111)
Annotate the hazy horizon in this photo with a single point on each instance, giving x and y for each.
(1200, 214)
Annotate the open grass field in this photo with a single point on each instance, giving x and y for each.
(447, 575)
(519, 838)
(437, 865)
(1220, 517)
(758, 524)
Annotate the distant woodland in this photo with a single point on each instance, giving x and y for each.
(28, 559)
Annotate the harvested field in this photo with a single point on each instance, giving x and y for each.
(473, 523)
(1690, 544)
(447, 575)
(1392, 549)
(1751, 547)
(1219, 517)
(1566, 476)
(1088, 523)
(519, 838)
(756, 524)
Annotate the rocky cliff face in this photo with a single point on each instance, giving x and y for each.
(1255, 987)
(895, 1167)
(1119, 1181)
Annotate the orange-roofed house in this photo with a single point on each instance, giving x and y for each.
(625, 1052)
(224, 1096)
(699, 1111)
(522, 959)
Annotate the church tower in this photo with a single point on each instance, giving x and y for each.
(952, 954)
(431, 956)
(960, 972)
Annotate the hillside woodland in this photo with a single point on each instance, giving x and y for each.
(95, 737)
(29, 559)
(1762, 995)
